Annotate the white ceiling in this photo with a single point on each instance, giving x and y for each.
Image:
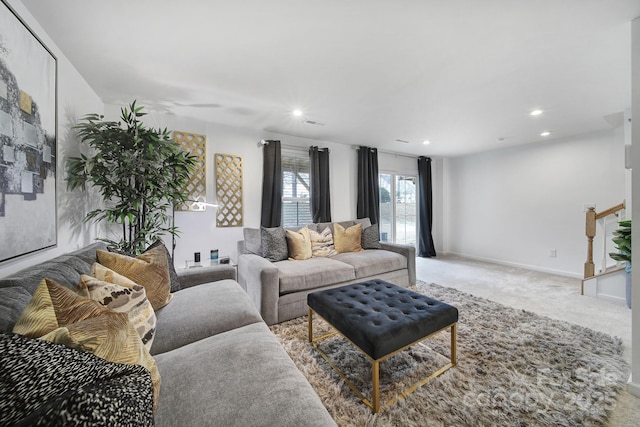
(462, 73)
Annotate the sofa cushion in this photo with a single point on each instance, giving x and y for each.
(243, 377)
(65, 270)
(372, 262)
(299, 244)
(274, 243)
(201, 311)
(81, 389)
(150, 269)
(312, 273)
(347, 239)
(13, 301)
(252, 240)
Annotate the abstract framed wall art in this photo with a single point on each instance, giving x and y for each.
(28, 139)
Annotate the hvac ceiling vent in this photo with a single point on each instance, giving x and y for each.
(402, 141)
(313, 122)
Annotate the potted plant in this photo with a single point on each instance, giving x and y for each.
(140, 173)
(622, 240)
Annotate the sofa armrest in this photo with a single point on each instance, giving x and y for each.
(261, 279)
(211, 273)
(409, 252)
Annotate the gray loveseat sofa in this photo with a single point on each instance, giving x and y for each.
(219, 363)
(279, 289)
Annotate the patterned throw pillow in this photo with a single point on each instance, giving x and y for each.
(322, 243)
(150, 270)
(371, 237)
(53, 306)
(123, 299)
(299, 244)
(111, 337)
(347, 240)
(274, 244)
(50, 384)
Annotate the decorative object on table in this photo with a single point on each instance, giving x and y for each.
(514, 368)
(196, 184)
(229, 190)
(622, 240)
(28, 110)
(140, 173)
(213, 255)
(196, 257)
(224, 260)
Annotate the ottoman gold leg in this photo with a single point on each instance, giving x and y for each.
(376, 386)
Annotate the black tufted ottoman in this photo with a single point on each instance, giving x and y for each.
(382, 319)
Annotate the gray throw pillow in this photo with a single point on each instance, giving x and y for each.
(274, 244)
(371, 237)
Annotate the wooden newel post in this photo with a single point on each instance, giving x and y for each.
(589, 266)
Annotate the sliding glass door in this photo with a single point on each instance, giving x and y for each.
(398, 209)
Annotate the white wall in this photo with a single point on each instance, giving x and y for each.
(75, 98)
(198, 230)
(634, 381)
(514, 205)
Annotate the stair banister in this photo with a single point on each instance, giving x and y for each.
(590, 230)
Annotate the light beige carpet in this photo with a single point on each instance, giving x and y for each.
(550, 295)
(514, 368)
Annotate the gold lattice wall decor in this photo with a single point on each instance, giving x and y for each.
(196, 187)
(229, 190)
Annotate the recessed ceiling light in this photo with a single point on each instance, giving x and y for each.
(426, 142)
(536, 112)
(545, 133)
(297, 113)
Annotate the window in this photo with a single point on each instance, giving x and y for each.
(296, 209)
(398, 210)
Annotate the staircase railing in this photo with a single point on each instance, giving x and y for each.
(591, 218)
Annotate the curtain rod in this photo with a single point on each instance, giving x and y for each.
(289, 147)
(392, 153)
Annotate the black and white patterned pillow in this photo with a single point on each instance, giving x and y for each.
(274, 244)
(371, 237)
(42, 383)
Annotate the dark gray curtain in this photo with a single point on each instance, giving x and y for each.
(368, 188)
(271, 185)
(425, 209)
(320, 196)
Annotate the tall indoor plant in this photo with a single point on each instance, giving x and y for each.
(622, 240)
(140, 173)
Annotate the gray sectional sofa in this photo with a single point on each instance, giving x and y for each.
(218, 361)
(279, 289)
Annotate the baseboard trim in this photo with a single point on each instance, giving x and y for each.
(519, 265)
(633, 388)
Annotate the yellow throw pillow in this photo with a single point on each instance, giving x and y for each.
(322, 243)
(123, 299)
(349, 240)
(299, 244)
(112, 337)
(53, 306)
(150, 270)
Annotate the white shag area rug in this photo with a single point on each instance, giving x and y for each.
(515, 368)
